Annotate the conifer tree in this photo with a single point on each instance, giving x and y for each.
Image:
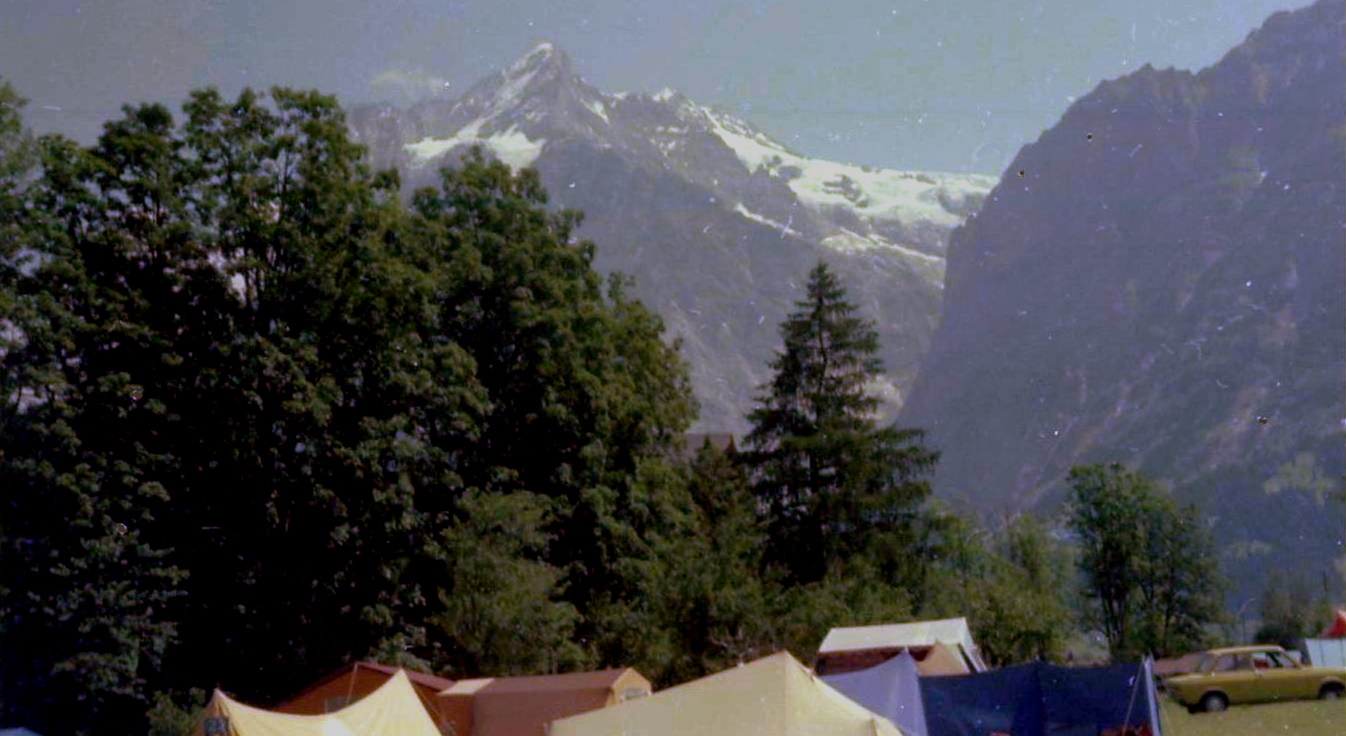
(832, 484)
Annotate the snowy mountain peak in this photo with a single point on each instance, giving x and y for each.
(667, 94)
(538, 100)
(543, 58)
(511, 113)
(540, 50)
(714, 217)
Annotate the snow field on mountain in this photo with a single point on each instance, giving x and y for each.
(849, 240)
(510, 146)
(783, 228)
(596, 107)
(883, 194)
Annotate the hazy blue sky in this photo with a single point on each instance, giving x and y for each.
(956, 84)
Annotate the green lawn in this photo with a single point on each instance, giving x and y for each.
(1300, 718)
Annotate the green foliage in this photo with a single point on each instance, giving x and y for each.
(713, 607)
(428, 434)
(1304, 474)
(803, 614)
(834, 487)
(86, 577)
(1148, 564)
(713, 604)
(1290, 611)
(168, 717)
(580, 385)
(499, 609)
(1013, 588)
(18, 154)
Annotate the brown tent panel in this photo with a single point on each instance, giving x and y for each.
(523, 706)
(358, 679)
(942, 659)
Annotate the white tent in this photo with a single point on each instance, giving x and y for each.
(1326, 652)
(773, 696)
(393, 709)
(916, 635)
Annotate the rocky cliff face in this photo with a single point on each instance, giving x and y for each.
(1158, 280)
(716, 222)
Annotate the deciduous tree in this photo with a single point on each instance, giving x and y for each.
(1149, 565)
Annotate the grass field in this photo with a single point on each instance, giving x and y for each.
(1300, 718)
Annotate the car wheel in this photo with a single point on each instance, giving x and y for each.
(1330, 692)
(1214, 702)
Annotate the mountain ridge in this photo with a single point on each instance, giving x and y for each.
(716, 221)
(1182, 234)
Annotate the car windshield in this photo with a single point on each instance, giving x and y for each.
(1232, 662)
(1282, 660)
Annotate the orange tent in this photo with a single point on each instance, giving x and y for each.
(1337, 629)
(393, 709)
(523, 706)
(358, 679)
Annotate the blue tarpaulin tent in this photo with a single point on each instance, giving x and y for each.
(1041, 700)
(1029, 700)
(890, 689)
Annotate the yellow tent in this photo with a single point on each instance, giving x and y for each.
(392, 710)
(773, 696)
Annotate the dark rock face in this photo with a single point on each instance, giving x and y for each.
(716, 222)
(1158, 280)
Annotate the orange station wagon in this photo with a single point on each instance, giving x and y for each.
(1254, 674)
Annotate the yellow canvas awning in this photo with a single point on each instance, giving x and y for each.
(392, 710)
(773, 696)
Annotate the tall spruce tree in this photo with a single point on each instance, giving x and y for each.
(833, 485)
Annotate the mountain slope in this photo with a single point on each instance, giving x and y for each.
(716, 222)
(1159, 280)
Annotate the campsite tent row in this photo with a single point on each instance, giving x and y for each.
(923, 679)
(773, 695)
(496, 706)
(522, 706)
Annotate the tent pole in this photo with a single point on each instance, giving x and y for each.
(1131, 706)
(350, 689)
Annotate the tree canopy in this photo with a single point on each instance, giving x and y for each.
(1149, 565)
(259, 417)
